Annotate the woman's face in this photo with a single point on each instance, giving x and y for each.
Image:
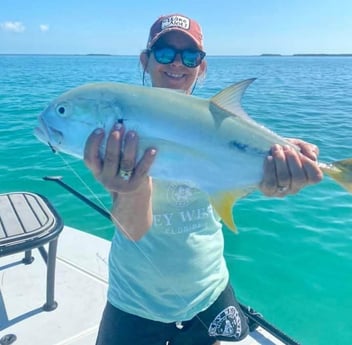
(174, 75)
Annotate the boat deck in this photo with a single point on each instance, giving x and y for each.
(80, 290)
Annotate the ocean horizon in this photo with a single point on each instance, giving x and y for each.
(211, 55)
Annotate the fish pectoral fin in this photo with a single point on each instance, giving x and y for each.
(223, 203)
(341, 172)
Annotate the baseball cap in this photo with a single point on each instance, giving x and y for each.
(175, 22)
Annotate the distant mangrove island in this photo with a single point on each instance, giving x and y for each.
(307, 54)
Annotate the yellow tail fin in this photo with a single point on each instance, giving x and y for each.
(341, 172)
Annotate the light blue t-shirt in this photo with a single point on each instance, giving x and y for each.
(177, 269)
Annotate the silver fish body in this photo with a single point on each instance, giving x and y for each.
(211, 144)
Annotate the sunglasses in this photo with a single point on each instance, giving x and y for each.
(190, 57)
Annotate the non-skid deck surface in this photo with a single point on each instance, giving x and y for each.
(80, 295)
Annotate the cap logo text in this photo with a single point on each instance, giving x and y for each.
(178, 21)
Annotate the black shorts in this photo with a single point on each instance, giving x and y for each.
(223, 320)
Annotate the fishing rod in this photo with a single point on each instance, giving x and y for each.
(58, 180)
(255, 318)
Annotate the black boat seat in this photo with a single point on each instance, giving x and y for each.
(29, 221)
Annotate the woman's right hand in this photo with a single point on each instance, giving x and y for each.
(118, 171)
(124, 177)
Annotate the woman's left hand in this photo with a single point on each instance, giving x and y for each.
(286, 171)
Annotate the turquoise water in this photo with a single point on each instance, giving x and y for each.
(292, 260)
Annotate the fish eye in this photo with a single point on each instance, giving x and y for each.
(62, 109)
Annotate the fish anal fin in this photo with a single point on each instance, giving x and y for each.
(223, 203)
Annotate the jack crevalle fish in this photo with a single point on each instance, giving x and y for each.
(211, 143)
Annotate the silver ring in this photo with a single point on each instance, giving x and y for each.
(282, 189)
(125, 174)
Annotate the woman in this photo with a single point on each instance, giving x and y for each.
(168, 280)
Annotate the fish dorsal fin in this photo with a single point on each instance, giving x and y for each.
(229, 99)
(223, 203)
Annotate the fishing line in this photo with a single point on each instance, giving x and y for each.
(119, 225)
(90, 190)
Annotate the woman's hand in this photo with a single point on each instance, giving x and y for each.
(286, 171)
(118, 170)
(126, 178)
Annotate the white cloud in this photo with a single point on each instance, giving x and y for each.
(12, 26)
(43, 27)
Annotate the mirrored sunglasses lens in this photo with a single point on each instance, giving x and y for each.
(191, 58)
(164, 55)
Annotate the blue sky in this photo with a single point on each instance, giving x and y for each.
(231, 27)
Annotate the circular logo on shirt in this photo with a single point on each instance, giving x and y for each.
(181, 195)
